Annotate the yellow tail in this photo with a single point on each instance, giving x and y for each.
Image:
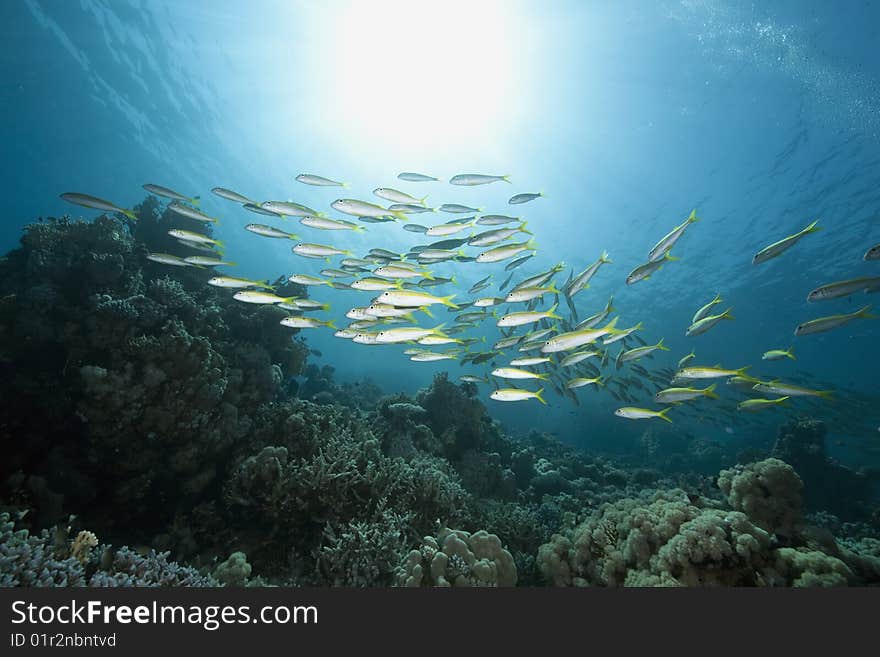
(539, 397)
(662, 414)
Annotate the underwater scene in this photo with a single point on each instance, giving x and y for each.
(454, 294)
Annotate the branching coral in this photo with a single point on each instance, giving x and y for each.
(768, 491)
(457, 558)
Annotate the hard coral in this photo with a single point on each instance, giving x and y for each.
(768, 491)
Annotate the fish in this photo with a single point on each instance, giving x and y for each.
(823, 324)
(336, 273)
(777, 248)
(620, 334)
(676, 395)
(416, 177)
(645, 271)
(496, 219)
(508, 342)
(318, 181)
(487, 302)
(707, 323)
(871, 254)
(515, 394)
(196, 238)
(490, 237)
(306, 322)
(442, 230)
(308, 250)
(704, 311)
(431, 356)
(574, 339)
(457, 208)
(229, 195)
(510, 266)
(528, 362)
(96, 203)
(448, 244)
(471, 378)
(779, 388)
(325, 223)
(528, 293)
(593, 320)
(159, 190)
(411, 298)
(410, 208)
(355, 262)
(541, 279)
(500, 253)
(582, 280)
(269, 231)
(633, 413)
(256, 209)
(205, 248)
(778, 354)
(208, 261)
(399, 271)
(517, 199)
(254, 296)
(232, 282)
(190, 213)
(577, 357)
(659, 250)
(759, 404)
(844, 288)
(527, 317)
(686, 359)
(168, 259)
(700, 372)
(416, 228)
(471, 179)
(580, 382)
(406, 334)
(641, 352)
(364, 209)
(438, 339)
(515, 373)
(396, 196)
(306, 279)
(479, 284)
(370, 284)
(307, 304)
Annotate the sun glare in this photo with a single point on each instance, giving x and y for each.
(416, 74)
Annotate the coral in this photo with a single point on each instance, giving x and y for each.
(802, 567)
(81, 547)
(125, 567)
(458, 558)
(29, 559)
(235, 571)
(768, 491)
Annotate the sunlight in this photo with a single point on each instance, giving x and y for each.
(412, 75)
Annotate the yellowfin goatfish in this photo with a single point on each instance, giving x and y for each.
(515, 394)
(845, 288)
(500, 253)
(706, 323)
(496, 219)
(580, 382)
(318, 251)
(413, 299)
(705, 310)
(784, 244)
(406, 334)
(823, 324)
(290, 209)
(633, 413)
(528, 362)
(208, 261)
(457, 208)
(676, 395)
(270, 231)
(590, 322)
(641, 352)
(687, 359)
(779, 388)
(305, 279)
(253, 296)
(168, 259)
(582, 280)
(620, 334)
(370, 284)
(490, 237)
(190, 236)
(95, 203)
(779, 354)
(318, 181)
(515, 373)
(577, 357)
(159, 190)
(664, 245)
(395, 271)
(442, 230)
(486, 302)
(325, 223)
(363, 209)
(305, 322)
(645, 271)
(760, 404)
(528, 293)
(471, 179)
(431, 356)
(517, 199)
(231, 282)
(396, 196)
(229, 195)
(190, 213)
(695, 373)
(527, 317)
(415, 177)
(574, 339)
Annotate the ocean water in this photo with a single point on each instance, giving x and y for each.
(625, 116)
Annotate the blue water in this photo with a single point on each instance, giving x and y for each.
(626, 115)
